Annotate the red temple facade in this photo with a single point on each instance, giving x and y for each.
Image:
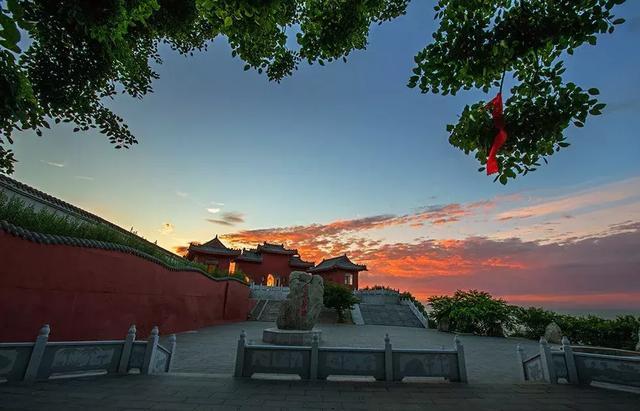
(339, 270)
(270, 264)
(215, 255)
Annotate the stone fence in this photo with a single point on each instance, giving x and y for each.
(263, 292)
(577, 367)
(419, 315)
(387, 364)
(43, 359)
(378, 297)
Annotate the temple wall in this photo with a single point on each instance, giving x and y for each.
(93, 293)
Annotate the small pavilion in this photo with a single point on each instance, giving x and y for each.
(339, 270)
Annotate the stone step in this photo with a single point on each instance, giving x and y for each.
(389, 314)
(271, 311)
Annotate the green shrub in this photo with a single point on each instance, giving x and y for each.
(338, 297)
(532, 321)
(581, 330)
(474, 312)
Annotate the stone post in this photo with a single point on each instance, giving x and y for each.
(313, 367)
(37, 353)
(462, 365)
(520, 356)
(150, 352)
(172, 351)
(388, 359)
(242, 342)
(123, 367)
(572, 371)
(548, 370)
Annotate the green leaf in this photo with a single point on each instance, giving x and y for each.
(594, 91)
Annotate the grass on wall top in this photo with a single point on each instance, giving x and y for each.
(15, 211)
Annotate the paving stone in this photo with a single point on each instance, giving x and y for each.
(248, 394)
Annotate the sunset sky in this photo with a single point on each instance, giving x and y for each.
(346, 159)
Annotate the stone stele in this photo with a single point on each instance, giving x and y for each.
(303, 304)
(553, 333)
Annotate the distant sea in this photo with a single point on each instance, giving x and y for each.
(604, 313)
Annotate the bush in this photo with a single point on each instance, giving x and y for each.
(532, 321)
(338, 297)
(474, 312)
(581, 330)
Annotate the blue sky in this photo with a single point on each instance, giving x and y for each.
(340, 142)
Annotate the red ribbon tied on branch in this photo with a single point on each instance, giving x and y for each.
(498, 121)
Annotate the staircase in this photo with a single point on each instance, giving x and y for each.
(266, 310)
(389, 314)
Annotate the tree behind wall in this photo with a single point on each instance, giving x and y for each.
(339, 298)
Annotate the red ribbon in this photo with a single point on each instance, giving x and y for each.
(498, 120)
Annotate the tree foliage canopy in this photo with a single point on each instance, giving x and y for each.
(480, 41)
(80, 53)
(339, 298)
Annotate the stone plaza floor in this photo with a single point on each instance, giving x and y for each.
(489, 360)
(172, 392)
(201, 380)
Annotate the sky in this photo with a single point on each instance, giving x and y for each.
(346, 159)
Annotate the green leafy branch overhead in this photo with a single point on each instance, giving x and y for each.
(478, 42)
(80, 53)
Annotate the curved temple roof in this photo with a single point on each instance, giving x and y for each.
(214, 247)
(342, 263)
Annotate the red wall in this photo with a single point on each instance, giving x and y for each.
(88, 293)
(337, 276)
(276, 264)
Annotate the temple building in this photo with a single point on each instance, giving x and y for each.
(339, 270)
(215, 255)
(270, 264)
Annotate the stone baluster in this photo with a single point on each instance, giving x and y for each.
(37, 353)
(172, 351)
(548, 370)
(313, 366)
(520, 356)
(572, 371)
(123, 367)
(150, 352)
(462, 365)
(388, 359)
(242, 342)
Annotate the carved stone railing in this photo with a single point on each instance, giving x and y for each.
(315, 362)
(579, 367)
(419, 315)
(43, 359)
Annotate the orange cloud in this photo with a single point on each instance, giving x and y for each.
(603, 195)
